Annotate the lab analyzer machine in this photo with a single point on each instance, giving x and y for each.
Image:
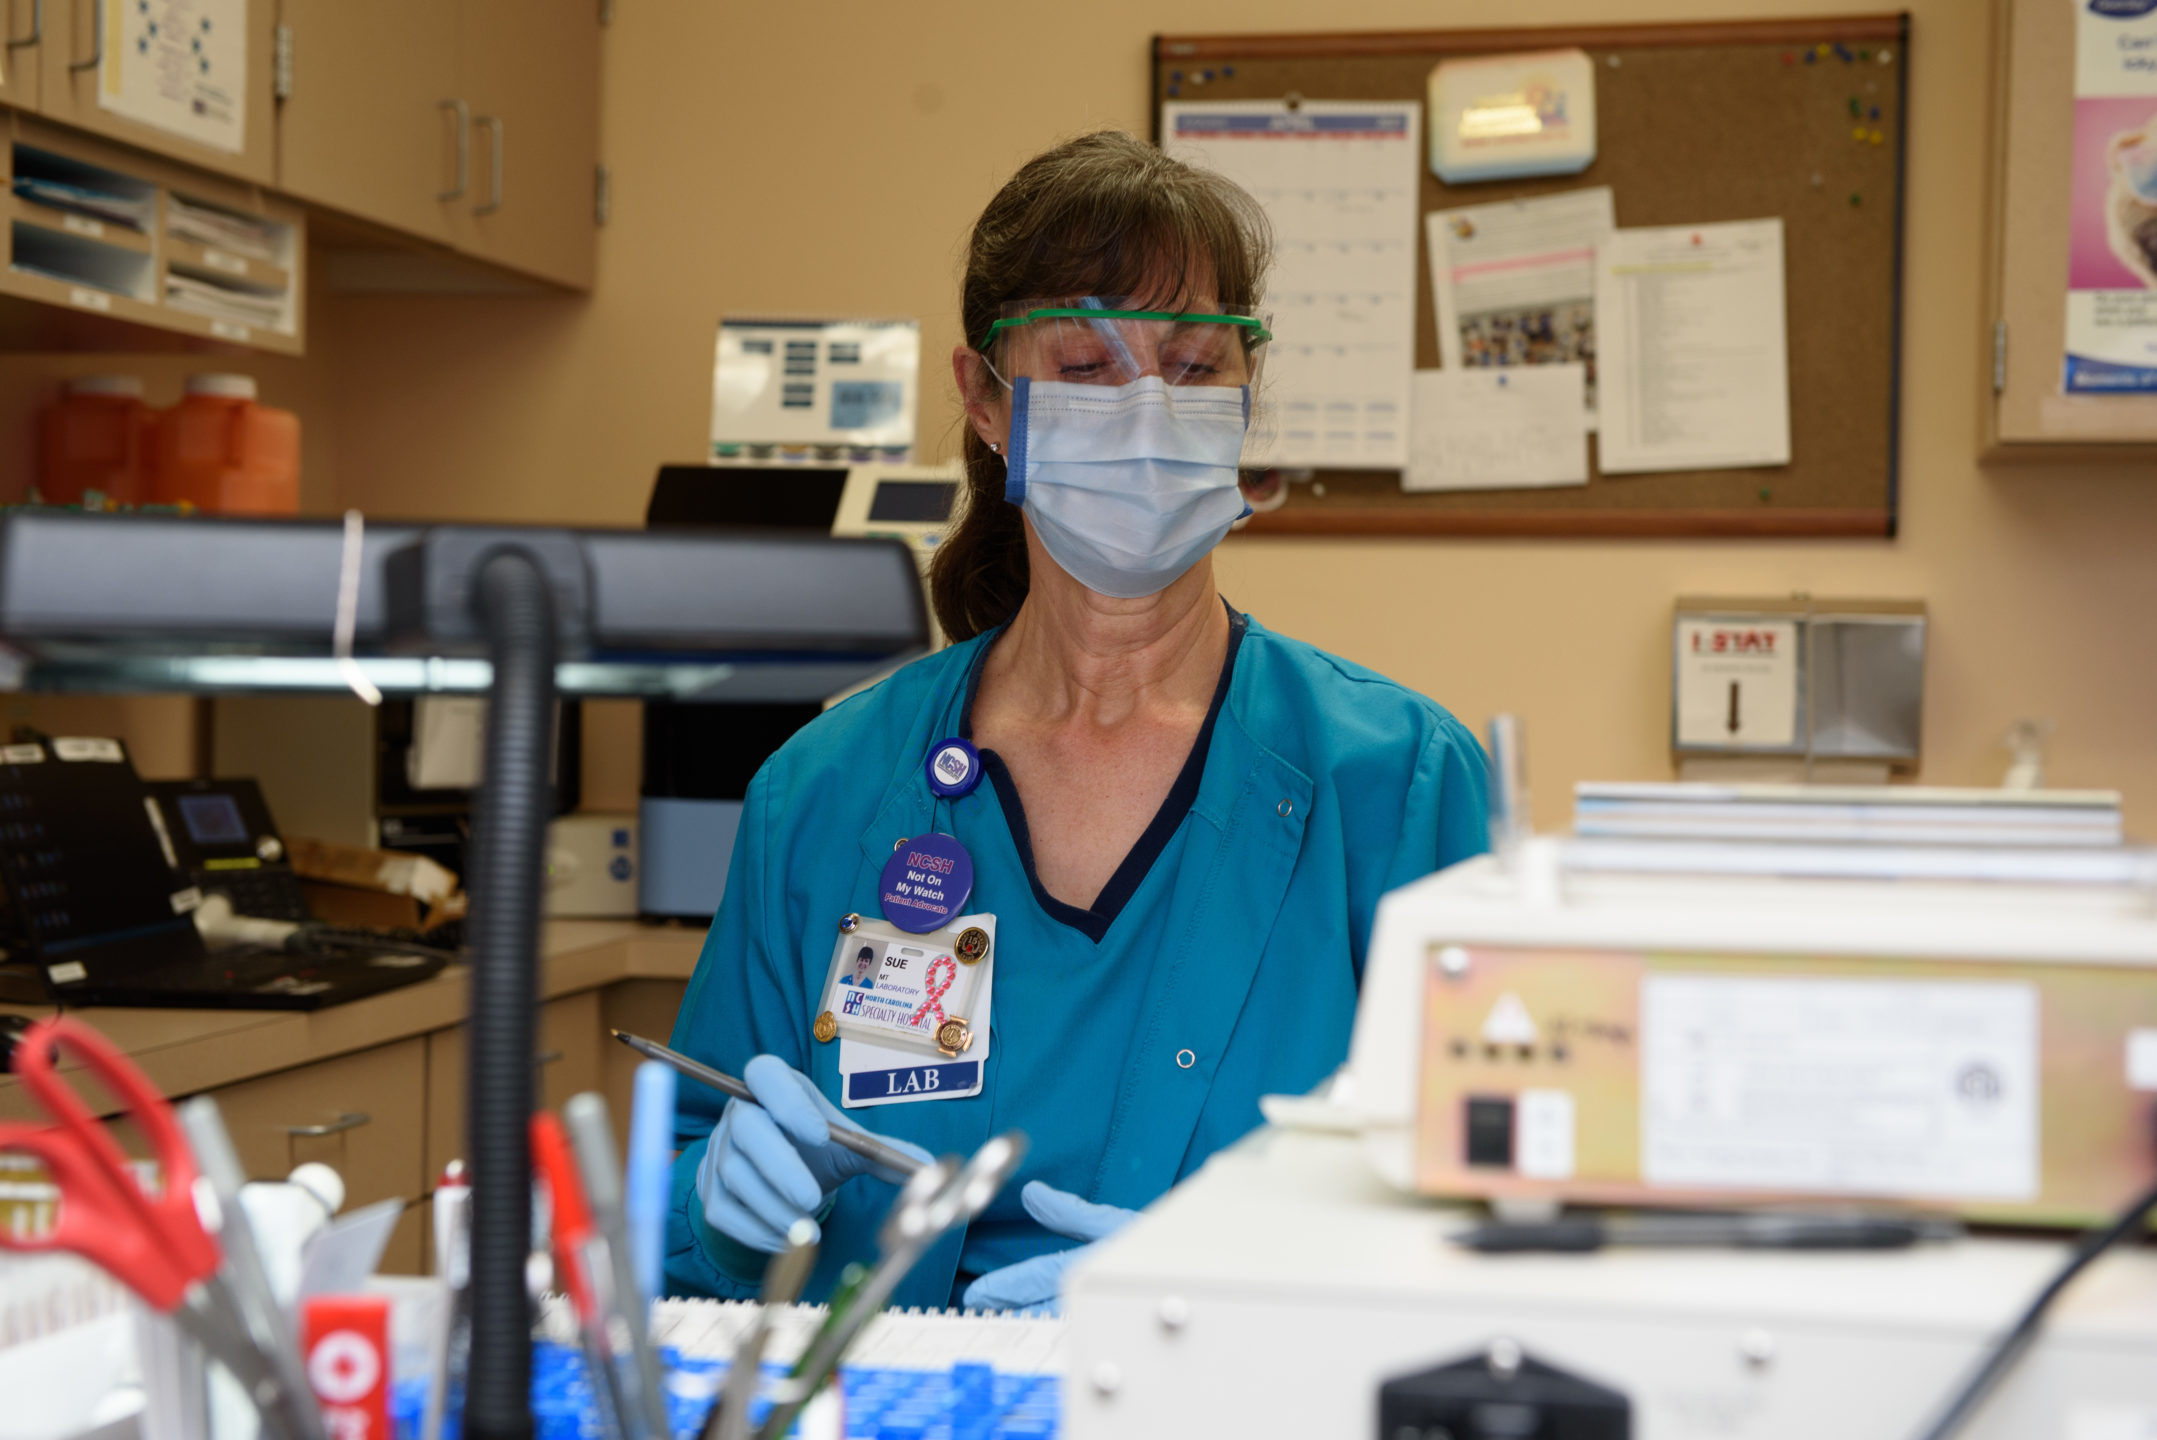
(1650, 1138)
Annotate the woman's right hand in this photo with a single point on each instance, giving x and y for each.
(774, 1162)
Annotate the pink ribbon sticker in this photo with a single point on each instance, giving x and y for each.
(937, 987)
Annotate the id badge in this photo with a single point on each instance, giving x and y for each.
(911, 1012)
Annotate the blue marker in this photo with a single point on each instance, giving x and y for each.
(651, 1156)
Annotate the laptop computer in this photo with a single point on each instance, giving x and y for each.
(101, 906)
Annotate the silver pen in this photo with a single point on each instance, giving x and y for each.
(591, 1140)
(861, 1142)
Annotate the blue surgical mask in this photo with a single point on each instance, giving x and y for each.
(1127, 485)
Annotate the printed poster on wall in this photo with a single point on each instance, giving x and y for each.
(180, 65)
(2112, 246)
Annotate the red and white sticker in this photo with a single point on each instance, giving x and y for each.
(346, 1341)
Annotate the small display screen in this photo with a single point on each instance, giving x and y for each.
(860, 404)
(212, 819)
(917, 500)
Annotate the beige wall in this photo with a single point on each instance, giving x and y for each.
(829, 156)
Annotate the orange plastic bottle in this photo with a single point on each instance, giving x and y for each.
(221, 452)
(96, 440)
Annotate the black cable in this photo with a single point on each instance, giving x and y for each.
(512, 599)
(2011, 1346)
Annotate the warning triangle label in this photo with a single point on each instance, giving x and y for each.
(1509, 1022)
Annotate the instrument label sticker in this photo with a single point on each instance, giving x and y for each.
(1839, 1086)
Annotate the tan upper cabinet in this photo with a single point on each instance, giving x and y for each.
(529, 70)
(469, 122)
(371, 125)
(19, 73)
(84, 42)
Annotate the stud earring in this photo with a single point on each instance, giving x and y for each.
(995, 449)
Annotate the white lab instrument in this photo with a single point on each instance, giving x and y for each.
(1600, 1021)
(1271, 1293)
(1823, 1027)
(592, 866)
(803, 390)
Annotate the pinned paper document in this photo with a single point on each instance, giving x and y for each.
(1338, 180)
(180, 67)
(1513, 283)
(1498, 429)
(1692, 349)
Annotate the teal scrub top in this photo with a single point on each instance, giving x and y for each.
(1128, 1051)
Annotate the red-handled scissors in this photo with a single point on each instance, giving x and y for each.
(155, 1244)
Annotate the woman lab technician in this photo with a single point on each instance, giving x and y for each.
(1116, 850)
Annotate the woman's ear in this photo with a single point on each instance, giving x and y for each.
(987, 410)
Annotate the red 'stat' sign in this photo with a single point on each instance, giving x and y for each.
(1734, 642)
(346, 1341)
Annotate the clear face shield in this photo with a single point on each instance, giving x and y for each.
(1105, 341)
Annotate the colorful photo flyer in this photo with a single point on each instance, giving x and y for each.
(2112, 249)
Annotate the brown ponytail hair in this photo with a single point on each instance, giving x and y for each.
(1105, 214)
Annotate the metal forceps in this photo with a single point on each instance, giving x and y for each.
(155, 1244)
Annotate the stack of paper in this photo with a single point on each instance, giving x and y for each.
(1861, 832)
(1848, 814)
(132, 211)
(246, 235)
(223, 302)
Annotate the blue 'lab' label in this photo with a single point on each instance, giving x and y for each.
(923, 1080)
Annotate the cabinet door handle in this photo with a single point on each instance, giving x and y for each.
(350, 1120)
(97, 28)
(37, 27)
(463, 113)
(549, 1057)
(494, 196)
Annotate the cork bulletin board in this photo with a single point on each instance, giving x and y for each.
(1696, 124)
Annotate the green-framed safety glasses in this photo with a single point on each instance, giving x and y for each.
(1098, 342)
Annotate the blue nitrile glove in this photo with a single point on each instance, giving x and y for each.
(774, 1162)
(1034, 1284)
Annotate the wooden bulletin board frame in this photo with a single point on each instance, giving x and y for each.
(1697, 123)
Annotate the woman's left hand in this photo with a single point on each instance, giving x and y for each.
(1034, 1285)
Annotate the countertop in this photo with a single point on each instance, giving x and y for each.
(185, 1051)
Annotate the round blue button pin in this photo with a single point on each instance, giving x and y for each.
(926, 882)
(954, 767)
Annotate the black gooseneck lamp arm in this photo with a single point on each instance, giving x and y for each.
(513, 601)
(526, 597)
